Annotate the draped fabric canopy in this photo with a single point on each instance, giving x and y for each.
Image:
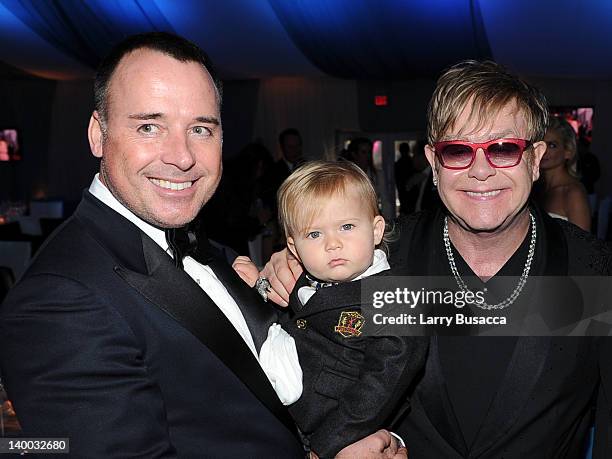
(86, 30)
(356, 39)
(374, 39)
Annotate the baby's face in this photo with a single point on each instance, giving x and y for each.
(339, 243)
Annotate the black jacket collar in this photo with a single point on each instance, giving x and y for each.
(144, 266)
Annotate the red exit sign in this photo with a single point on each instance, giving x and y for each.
(381, 101)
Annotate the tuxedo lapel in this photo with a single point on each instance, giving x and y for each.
(192, 308)
(521, 376)
(530, 353)
(431, 392)
(258, 315)
(433, 396)
(523, 373)
(151, 272)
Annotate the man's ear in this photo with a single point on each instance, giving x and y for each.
(539, 149)
(291, 247)
(95, 135)
(379, 229)
(430, 154)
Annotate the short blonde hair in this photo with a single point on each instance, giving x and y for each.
(300, 195)
(488, 87)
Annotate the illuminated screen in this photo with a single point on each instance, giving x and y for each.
(581, 119)
(9, 145)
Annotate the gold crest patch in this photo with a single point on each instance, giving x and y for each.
(349, 324)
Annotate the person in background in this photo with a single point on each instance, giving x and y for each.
(243, 205)
(419, 190)
(359, 151)
(290, 142)
(560, 192)
(403, 169)
(589, 169)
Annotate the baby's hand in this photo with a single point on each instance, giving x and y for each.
(246, 269)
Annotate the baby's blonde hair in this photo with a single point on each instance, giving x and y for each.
(300, 195)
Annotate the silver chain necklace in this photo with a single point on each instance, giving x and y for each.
(521, 283)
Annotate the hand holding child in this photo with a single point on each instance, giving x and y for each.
(283, 271)
(246, 269)
(379, 445)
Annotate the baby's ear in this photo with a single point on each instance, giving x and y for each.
(291, 247)
(379, 229)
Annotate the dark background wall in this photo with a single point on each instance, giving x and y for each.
(406, 109)
(238, 114)
(71, 165)
(26, 104)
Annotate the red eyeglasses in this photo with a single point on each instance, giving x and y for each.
(500, 153)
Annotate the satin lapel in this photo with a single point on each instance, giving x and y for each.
(258, 315)
(120, 237)
(530, 353)
(433, 396)
(174, 292)
(424, 256)
(552, 246)
(523, 373)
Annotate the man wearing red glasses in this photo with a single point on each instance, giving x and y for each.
(507, 396)
(485, 152)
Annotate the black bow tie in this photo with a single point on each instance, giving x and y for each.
(182, 242)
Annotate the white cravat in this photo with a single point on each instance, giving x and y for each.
(201, 274)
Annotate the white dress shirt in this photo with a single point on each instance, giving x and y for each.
(201, 274)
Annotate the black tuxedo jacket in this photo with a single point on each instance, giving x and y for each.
(87, 351)
(544, 406)
(353, 384)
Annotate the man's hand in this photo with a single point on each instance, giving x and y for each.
(379, 445)
(283, 270)
(246, 269)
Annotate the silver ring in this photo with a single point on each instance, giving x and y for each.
(263, 287)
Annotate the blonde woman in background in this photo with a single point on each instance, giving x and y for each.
(562, 195)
